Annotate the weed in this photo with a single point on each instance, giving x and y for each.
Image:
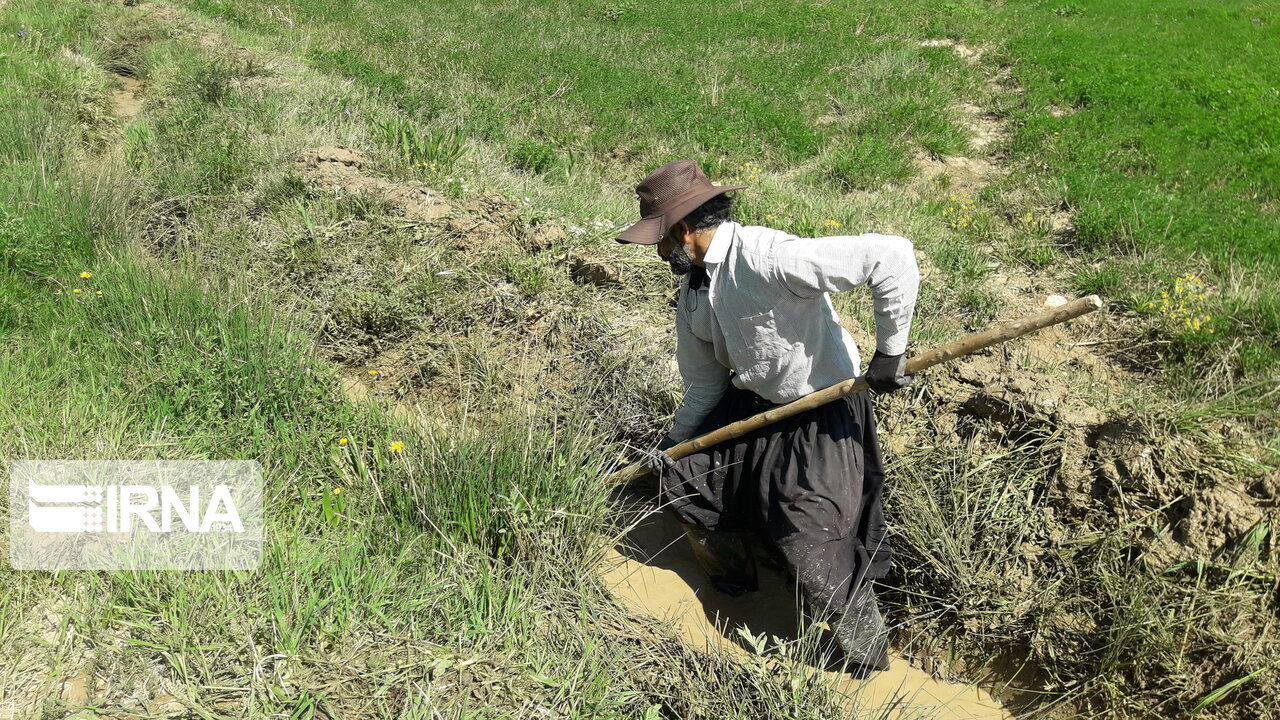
(533, 156)
(139, 143)
(1185, 308)
(436, 150)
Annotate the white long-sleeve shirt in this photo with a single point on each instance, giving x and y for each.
(766, 315)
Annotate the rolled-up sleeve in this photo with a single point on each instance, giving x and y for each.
(884, 263)
(705, 379)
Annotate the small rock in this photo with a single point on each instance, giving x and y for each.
(1054, 301)
(166, 704)
(75, 689)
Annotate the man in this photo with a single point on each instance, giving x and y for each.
(755, 329)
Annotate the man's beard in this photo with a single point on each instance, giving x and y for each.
(680, 261)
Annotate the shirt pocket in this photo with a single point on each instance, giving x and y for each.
(763, 349)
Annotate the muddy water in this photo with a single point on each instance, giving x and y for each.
(126, 101)
(653, 571)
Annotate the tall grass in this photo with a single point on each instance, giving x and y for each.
(409, 570)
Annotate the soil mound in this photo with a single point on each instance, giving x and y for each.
(340, 169)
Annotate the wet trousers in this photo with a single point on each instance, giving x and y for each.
(810, 485)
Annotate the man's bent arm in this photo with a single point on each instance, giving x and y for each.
(885, 263)
(704, 379)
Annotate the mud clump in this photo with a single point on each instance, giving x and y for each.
(477, 225)
(485, 222)
(1218, 518)
(544, 236)
(1022, 456)
(588, 271)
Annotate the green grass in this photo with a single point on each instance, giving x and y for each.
(236, 295)
(1153, 155)
(624, 76)
(1164, 141)
(452, 570)
(1169, 137)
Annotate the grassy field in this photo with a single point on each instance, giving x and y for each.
(1153, 125)
(435, 399)
(1156, 124)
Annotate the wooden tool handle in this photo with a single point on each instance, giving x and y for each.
(964, 346)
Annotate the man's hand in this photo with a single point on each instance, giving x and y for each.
(886, 373)
(657, 460)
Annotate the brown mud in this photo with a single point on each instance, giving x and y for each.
(652, 571)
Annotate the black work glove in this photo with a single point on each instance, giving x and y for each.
(886, 373)
(657, 460)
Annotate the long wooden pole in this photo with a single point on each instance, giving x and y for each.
(964, 346)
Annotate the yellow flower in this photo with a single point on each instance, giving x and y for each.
(342, 441)
(99, 292)
(77, 291)
(337, 491)
(86, 275)
(373, 373)
(397, 447)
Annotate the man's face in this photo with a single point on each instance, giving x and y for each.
(671, 249)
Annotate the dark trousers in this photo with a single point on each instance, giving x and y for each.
(811, 485)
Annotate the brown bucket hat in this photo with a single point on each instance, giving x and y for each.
(666, 196)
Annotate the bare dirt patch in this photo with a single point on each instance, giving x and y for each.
(965, 52)
(966, 175)
(339, 169)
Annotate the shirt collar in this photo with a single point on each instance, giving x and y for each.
(719, 246)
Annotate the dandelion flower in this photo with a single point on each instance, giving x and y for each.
(86, 275)
(373, 373)
(342, 441)
(397, 447)
(337, 491)
(77, 291)
(99, 292)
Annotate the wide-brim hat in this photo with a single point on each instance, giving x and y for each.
(666, 196)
